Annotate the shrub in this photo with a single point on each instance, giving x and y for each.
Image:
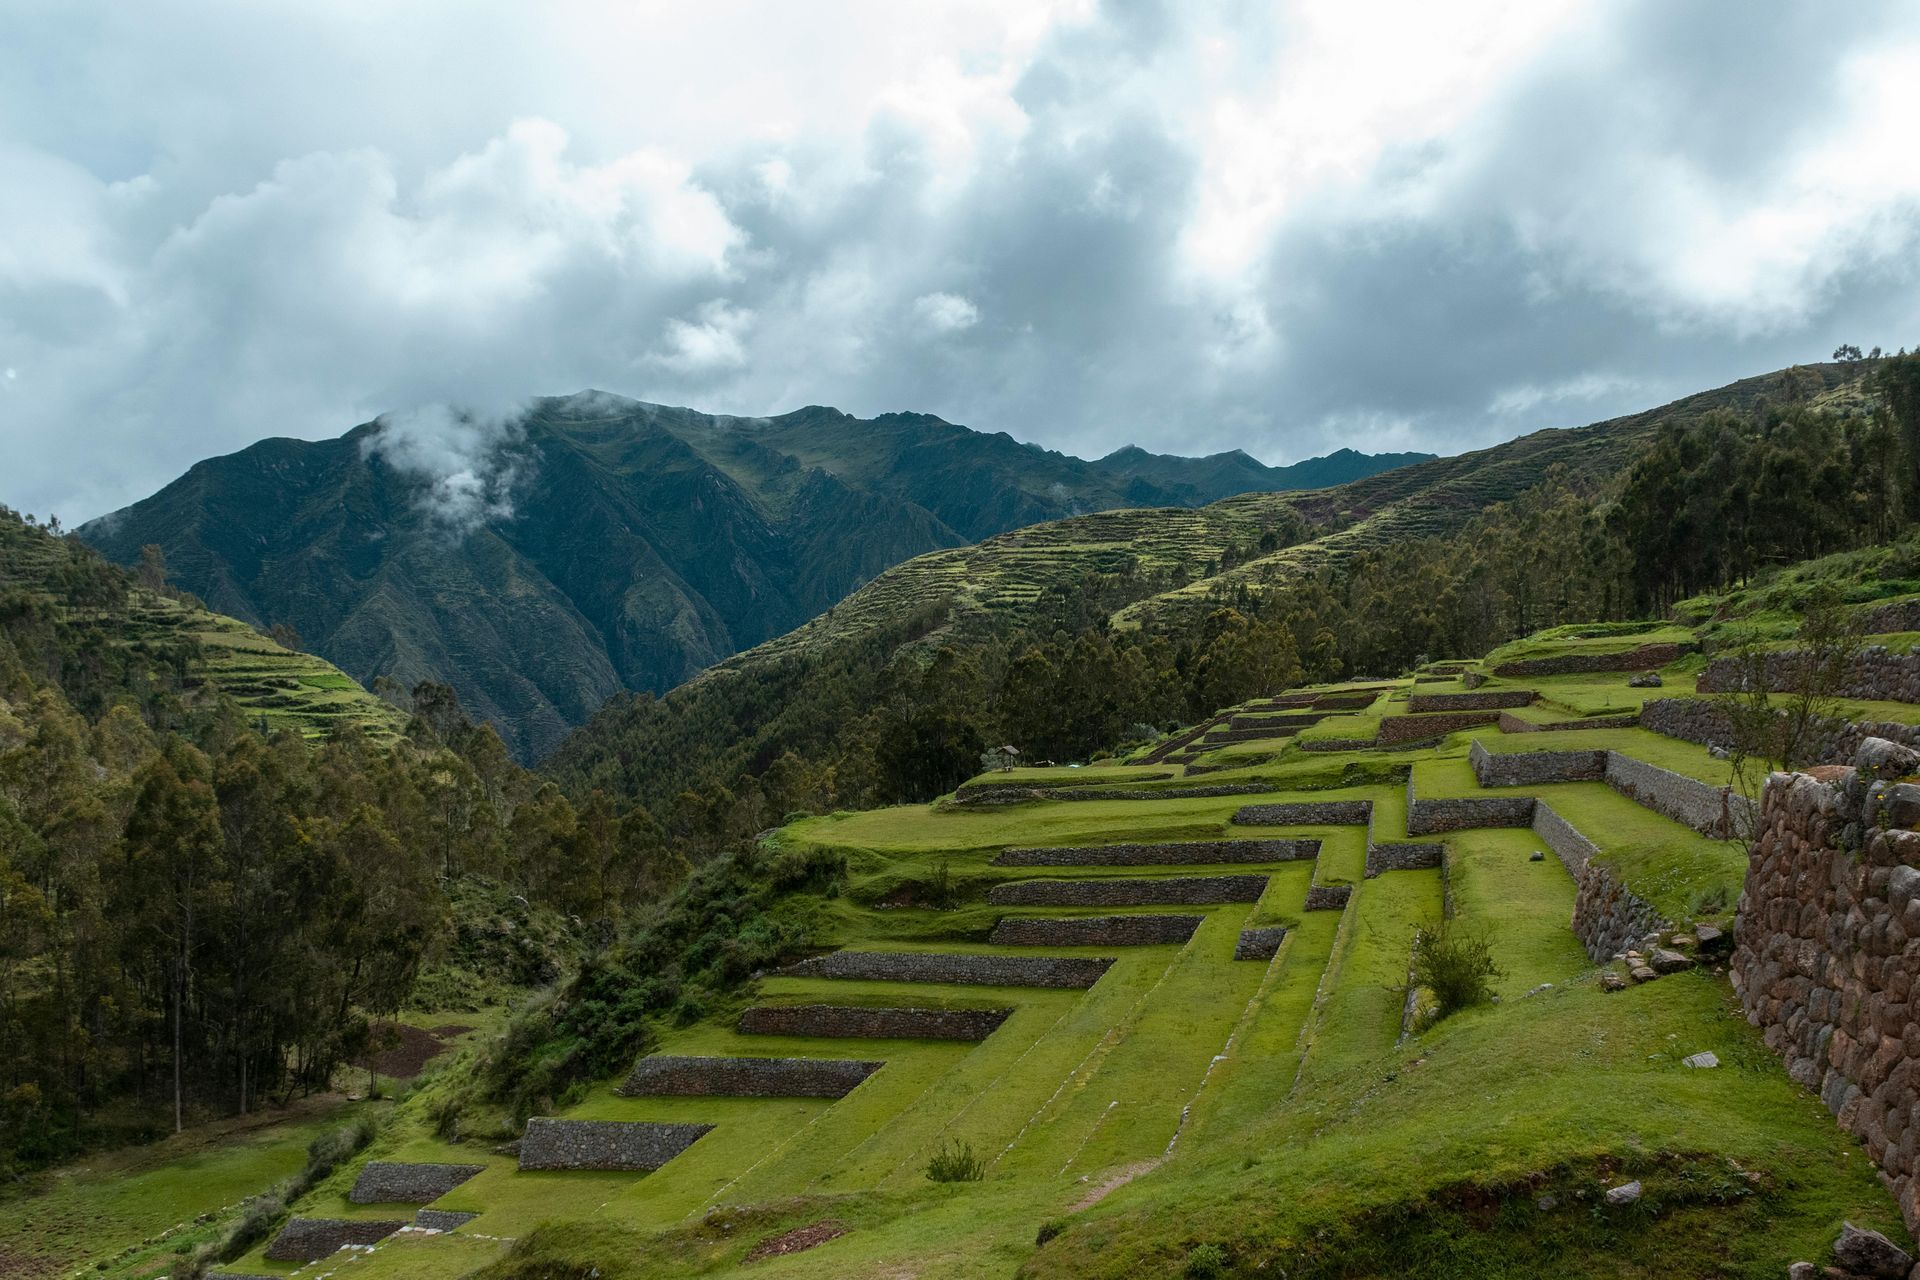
(1456, 966)
(940, 886)
(956, 1162)
(1048, 1230)
(1206, 1262)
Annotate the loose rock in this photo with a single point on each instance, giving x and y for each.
(1641, 973)
(1870, 1253)
(1626, 1193)
(1704, 1060)
(1536, 856)
(1885, 758)
(1664, 960)
(1611, 981)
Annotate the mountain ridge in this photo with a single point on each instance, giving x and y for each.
(594, 544)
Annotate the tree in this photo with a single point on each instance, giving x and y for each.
(1846, 351)
(153, 567)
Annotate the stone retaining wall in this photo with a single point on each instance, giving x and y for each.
(1712, 811)
(1139, 891)
(621, 1145)
(1532, 768)
(1016, 793)
(1876, 673)
(1172, 853)
(1346, 701)
(1644, 658)
(667, 1075)
(1510, 723)
(1334, 744)
(1403, 856)
(1094, 931)
(310, 1239)
(1259, 944)
(1573, 849)
(1493, 700)
(1306, 813)
(1827, 951)
(1700, 720)
(1290, 720)
(1461, 813)
(852, 1022)
(1421, 728)
(389, 1182)
(1608, 918)
(1898, 615)
(441, 1219)
(1327, 897)
(969, 970)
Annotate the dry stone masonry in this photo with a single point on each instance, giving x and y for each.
(1609, 918)
(1423, 728)
(1876, 673)
(1714, 811)
(1492, 700)
(1533, 768)
(1510, 723)
(388, 1182)
(1701, 720)
(1328, 897)
(1094, 931)
(1306, 813)
(310, 1239)
(441, 1219)
(1142, 891)
(622, 1145)
(1259, 944)
(1403, 857)
(1828, 951)
(971, 970)
(1641, 659)
(858, 1022)
(668, 1075)
(1177, 853)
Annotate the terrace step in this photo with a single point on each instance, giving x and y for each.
(1142, 891)
(1168, 854)
(310, 1239)
(861, 1022)
(1094, 931)
(391, 1182)
(955, 967)
(668, 1075)
(637, 1146)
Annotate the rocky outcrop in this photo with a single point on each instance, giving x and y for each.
(669, 1075)
(389, 1182)
(1827, 953)
(1138, 891)
(968, 970)
(858, 1022)
(1170, 854)
(310, 1239)
(1094, 931)
(622, 1145)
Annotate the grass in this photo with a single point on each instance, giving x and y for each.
(1264, 1118)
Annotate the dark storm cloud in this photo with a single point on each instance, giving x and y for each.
(1191, 227)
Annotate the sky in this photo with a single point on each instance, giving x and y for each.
(1192, 226)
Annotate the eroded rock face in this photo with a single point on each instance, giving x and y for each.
(1827, 950)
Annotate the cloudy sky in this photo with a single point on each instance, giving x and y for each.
(1192, 226)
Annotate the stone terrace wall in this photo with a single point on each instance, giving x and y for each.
(441, 1219)
(1403, 857)
(1306, 813)
(388, 1182)
(1510, 723)
(1608, 917)
(1532, 768)
(1431, 817)
(852, 1022)
(1877, 673)
(1827, 951)
(1094, 931)
(1699, 720)
(1899, 615)
(310, 1239)
(1712, 811)
(666, 1075)
(1259, 944)
(1573, 849)
(1335, 744)
(1328, 897)
(1421, 728)
(1140, 891)
(1490, 701)
(1173, 853)
(625, 1145)
(1646, 656)
(970, 970)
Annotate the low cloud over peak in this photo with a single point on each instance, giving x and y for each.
(1196, 227)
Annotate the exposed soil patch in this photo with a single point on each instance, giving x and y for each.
(798, 1239)
(17, 1266)
(407, 1049)
(1112, 1183)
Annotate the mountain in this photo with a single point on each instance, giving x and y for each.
(596, 544)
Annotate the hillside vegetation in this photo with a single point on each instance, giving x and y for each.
(542, 563)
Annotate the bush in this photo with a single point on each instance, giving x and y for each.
(1456, 966)
(1206, 1262)
(1048, 1230)
(956, 1162)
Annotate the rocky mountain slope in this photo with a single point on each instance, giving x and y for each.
(542, 562)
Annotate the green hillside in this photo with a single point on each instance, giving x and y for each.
(613, 545)
(1178, 1111)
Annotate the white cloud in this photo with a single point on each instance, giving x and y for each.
(1192, 226)
(946, 312)
(463, 459)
